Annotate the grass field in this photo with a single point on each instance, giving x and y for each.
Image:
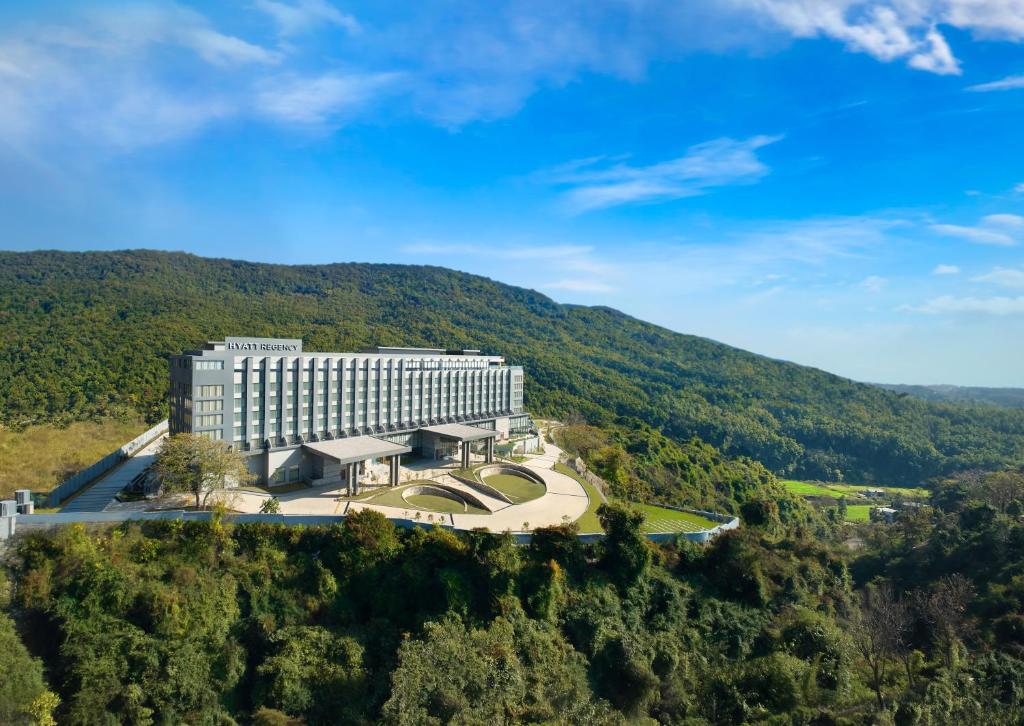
(41, 457)
(907, 492)
(588, 523)
(815, 489)
(807, 489)
(659, 519)
(858, 512)
(517, 488)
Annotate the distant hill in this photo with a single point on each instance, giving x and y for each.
(1005, 397)
(87, 334)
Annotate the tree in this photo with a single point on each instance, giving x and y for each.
(197, 465)
(271, 505)
(626, 553)
(21, 679)
(879, 628)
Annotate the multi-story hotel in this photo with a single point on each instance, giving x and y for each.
(323, 417)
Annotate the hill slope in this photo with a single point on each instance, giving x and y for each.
(84, 334)
(1005, 397)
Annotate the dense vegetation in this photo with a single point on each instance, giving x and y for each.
(88, 334)
(212, 623)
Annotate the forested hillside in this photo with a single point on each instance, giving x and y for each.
(87, 334)
(360, 623)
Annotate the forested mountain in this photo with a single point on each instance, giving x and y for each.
(87, 334)
(1006, 397)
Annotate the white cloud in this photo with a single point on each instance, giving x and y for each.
(947, 304)
(717, 163)
(303, 16)
(1019, 188)
(573, 285)
(1006, 221)
(1004, 84)
(321, 99)
(874, 284)
(992, 229)
(1003, 276)
(946, 270)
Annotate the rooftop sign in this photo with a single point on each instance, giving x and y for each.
(263, 345)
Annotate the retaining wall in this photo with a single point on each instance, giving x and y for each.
(71, 486)
(28, 522)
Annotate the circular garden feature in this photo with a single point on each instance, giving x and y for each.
(519, 485)
(438, 498)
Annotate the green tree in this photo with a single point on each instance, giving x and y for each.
(194, 464)
(626, 554)
(21, 680)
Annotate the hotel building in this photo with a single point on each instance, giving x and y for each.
(324, 417)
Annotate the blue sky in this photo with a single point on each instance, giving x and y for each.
(832, 182)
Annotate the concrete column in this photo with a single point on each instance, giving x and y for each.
(394, 470)
(465, 454)
(489, 458)
(350, 479)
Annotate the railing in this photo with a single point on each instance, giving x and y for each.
(74, 484)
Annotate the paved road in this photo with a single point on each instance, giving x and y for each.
(99, 495)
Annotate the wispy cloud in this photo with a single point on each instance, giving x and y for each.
(305, 15)
(1003, 276)
(1009, 83)
(717, 163)
(874, 284)
(993, 229)
(320, 99)
(947, 304)
(946, 270)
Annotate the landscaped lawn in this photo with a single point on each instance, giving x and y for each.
(434, 503)
(517, 488)
(588, 523)
(422, 502)
(659, 519)
(858, 512)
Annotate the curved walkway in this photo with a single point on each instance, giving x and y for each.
(564, 501)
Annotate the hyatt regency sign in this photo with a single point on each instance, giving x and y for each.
(263, 345)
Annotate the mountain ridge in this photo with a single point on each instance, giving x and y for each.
(87, 334)
(1003, 396)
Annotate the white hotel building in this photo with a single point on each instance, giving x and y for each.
(323, 417)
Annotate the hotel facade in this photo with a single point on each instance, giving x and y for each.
(326, 417)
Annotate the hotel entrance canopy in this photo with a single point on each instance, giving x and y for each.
(459, 432)
(359, 448)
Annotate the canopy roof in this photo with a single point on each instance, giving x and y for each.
(460, 432)
(358, 448)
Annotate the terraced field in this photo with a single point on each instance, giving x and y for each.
(659, 519)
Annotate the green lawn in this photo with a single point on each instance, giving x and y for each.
(433, 503)
(818, 489)
(588, 523)
(422, 502)
(808, 489)
(517, 488)
(659, 519)
(858, 512)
